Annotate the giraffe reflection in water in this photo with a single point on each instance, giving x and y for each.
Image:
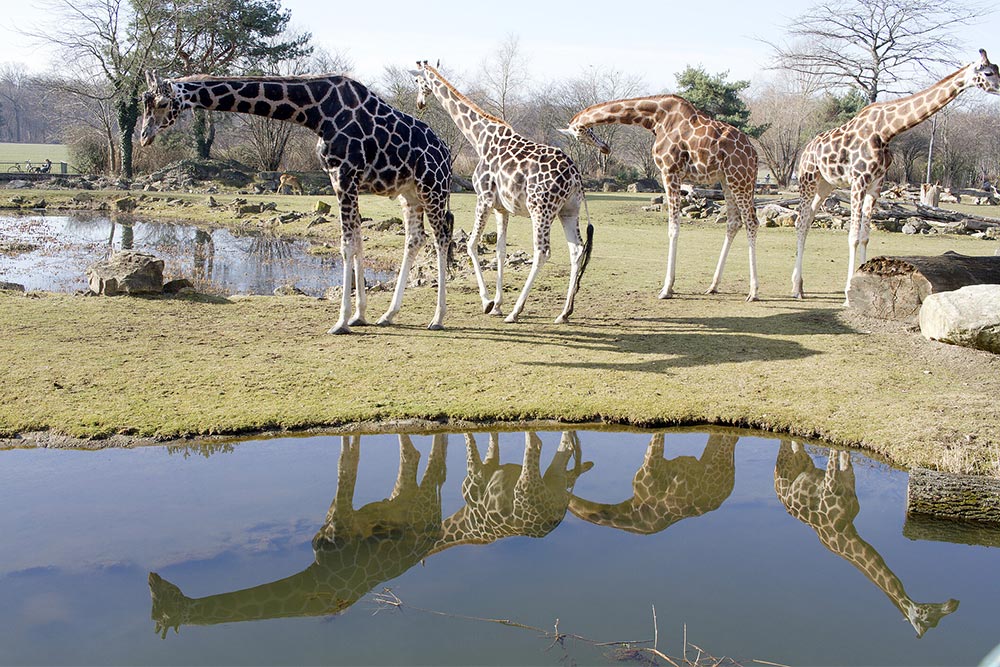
(827, 502)
(666, 491)
(355, 549)
(358, 549)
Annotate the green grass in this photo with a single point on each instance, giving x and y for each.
(37, 153)
(174, 367)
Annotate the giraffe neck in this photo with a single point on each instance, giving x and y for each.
(647, 112)
(307, 101)
(897, 116)
(468, 116)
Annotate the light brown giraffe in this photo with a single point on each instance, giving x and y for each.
(665, 491)
(689, 147)
(363, 143)
(827, 502)
(503, 500)
(856, 156)
(514, 176)
(355, 550)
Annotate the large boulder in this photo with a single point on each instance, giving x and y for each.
(126, 272)
(969, 316)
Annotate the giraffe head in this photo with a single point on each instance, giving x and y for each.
(422, 76)
(984, 75)
(587, 136)
(161, 106)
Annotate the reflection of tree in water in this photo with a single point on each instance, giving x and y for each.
(826, 501)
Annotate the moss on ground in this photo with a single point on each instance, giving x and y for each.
(189, 366)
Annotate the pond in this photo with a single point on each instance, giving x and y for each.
(217, 260)
(280, 551)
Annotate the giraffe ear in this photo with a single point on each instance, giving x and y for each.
(985, 59)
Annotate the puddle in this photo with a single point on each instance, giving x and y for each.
(280, 552)
(218, 261)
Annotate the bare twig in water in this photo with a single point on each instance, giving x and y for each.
(624, 651)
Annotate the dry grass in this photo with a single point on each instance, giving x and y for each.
(168, 367)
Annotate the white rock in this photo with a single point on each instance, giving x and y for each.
(969, 316)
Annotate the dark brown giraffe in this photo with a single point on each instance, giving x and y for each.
(515, 176)
(690, 147)
(363, 143)
(856, 156)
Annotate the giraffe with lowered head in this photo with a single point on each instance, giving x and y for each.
(514, 176)
(856, 156)
(363, 143)
(692, 147)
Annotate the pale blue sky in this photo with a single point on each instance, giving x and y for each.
(558, 39)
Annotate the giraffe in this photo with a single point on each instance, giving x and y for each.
(355, 550)
(503, 500)
(363, 143)
(666, 491)
(828, 503)
(514, 176)
(856, 156)
(689, 146)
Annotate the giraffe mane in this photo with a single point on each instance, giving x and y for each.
(475, 107)
(646, 98)
(196, 78)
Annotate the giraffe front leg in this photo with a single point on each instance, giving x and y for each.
(854, 236)
(673, 199)
(864, 231)
(812, 193)
(483, 205)
(733, 213)
(360, 289)
(347, 256)
(350, 244)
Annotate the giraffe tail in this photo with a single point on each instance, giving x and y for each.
(588, 246)
(449, 225)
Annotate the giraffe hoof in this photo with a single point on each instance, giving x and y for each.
(435, 326)
(495, 312)
(357, 322)
(510, 319)
(488, 308)
(711, 290)
(339, 329)
(562, 319)
(752, 297)
(665, 295)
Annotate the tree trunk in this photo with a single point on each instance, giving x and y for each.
(952, 496)
(893, 288)
(127, 110)
(204, 133)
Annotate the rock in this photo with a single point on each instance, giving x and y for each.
(969, 317)
(322, 207)
(288, 290)
(247, 209)
(610, 186)
(652, 208)
(83, 197)
(11, 287)
(318, 220)
(211, 203)
(644, 185)
(17, 184)
(778, 216)
(658, 199)
(126, 272)
(125, 204)
(177, 286)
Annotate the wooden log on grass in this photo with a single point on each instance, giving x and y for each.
(953, 496)
(893, 288)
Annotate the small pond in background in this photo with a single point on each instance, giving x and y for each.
(274, 552)
(217, 261)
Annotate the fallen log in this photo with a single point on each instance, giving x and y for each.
(893, 288)
(953, 496)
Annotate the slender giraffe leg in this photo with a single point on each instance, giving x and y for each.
(484, 202)
(571, 227)
(350, 248)
(673, 200)
(542, 224)
(413, 221)
(864, 231)
(859, 189)
(442, 224)
(501, 219)
(733, 215)
(409, 459)
(813, 190)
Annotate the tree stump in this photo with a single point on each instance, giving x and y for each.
(953, 496)
(893, 288)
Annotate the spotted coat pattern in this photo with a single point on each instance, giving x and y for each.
(689, 147)
(665, 491)
(514, 176)
(355, 550)
(363, 143)
(856, 155)
(827, 502)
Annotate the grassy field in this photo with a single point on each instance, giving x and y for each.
(190, 366)
(37, 153)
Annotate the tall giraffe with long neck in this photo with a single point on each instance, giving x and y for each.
(856, 156)
(692, 147)
(514, 176)
(826, 501)
(363, 143)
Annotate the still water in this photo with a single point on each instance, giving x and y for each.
(217, 260)
(275, 551)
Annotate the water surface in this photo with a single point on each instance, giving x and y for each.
(272, 552)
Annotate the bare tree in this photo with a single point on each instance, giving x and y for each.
(875, 46)
(789, 109)
(503, 78)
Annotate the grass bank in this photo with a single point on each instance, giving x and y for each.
(190, 366)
